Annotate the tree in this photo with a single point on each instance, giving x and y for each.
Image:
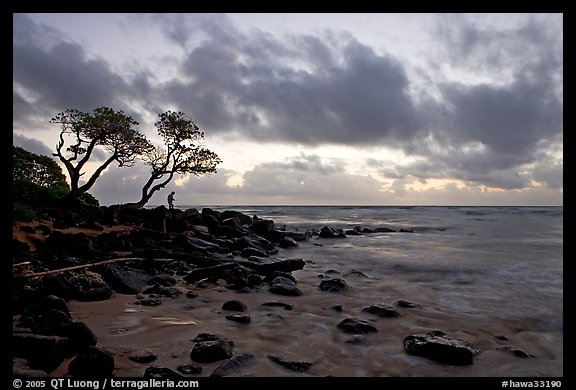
(37, 182)
(183, 154)
(103, 128)
(38, 169)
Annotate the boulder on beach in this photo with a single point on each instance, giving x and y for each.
(234, 305)
(382, 310)
(233, 365)
(356, 325)
(212, 351)
(294, 365)
(436, 345)
(92, 362)
(334, 285)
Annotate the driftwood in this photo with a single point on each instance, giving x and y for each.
(76, 267)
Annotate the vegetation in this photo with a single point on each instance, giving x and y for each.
(37, 169)
(39, 182)
(183, 154)
(105, 128)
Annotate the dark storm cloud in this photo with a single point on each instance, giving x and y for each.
(486, 125)
(524, 106)
(60, 74)
(330, 89)
(508, 119)
(492, 133)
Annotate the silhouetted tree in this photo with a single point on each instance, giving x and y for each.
(183, 154)
(104, 128)
(37, 169)
(38, 183)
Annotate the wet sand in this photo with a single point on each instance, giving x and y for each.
(309, 331)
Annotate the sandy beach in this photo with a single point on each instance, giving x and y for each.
(513, 338)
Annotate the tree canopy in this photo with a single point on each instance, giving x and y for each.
(37, 169)
(183, 153)
(82, 134)
(38, 183)
(104, 127)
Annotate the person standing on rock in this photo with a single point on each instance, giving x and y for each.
(171, 200)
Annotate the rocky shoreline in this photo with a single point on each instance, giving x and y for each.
(160, 254)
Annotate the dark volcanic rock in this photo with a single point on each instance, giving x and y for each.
(79, 334)
(50, 322)
(437, 346)
(384, 230)
(94, 294)
(294, 365)
(282, 289)
(44, 353)
(48, 303)
(59, 286)
(283, 280)
(249, 252)
(124, 280)
(334, 285)
(204, 337)
(239, 276)
(211, 351)
(327, 232)
(255, 241)
(356, 325)
(286, 306)
(46, 315)
(357, 273)
(287, 242)
(234, 364)
(242, 218)
(358, 340)
(382, 310)
(193, 243)
(234, 305)
(284, 286)
(241, 318)
(90, 286)
(92, 362)
(516, 352)
(262, 227)
(143, 357)
(169, 292)
(275, 274)
(164, 280)
(60, 243)
(284, 265)
(406, 304)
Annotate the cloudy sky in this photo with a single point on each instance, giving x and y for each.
(364, 109)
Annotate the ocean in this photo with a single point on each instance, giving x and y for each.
(492, 276)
